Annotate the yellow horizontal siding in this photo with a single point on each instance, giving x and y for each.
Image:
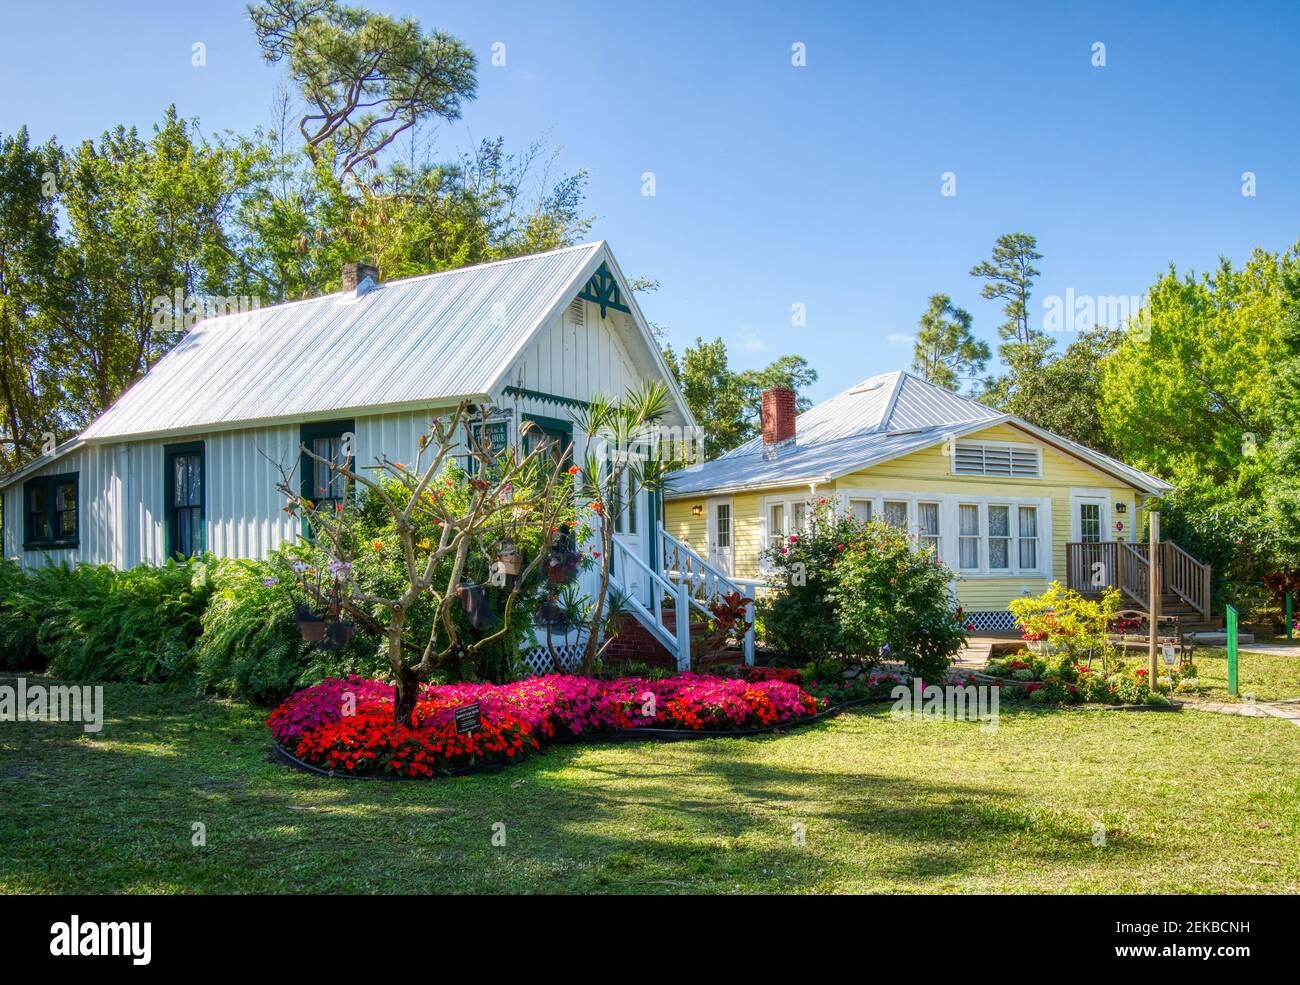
(927, 471)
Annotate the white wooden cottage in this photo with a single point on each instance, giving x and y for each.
(185, 460)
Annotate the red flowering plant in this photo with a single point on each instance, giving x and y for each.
(788, 674)
(347, 724)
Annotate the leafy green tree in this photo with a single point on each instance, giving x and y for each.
(946, 352)
(366, 77)
(790, 371)
(302, 224)
(711, 393)
(1191, 394)
(1283, 494)
(1065, 393)
(148, 252)
(726, 404)
(29, 252)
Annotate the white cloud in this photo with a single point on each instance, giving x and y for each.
(898, 338)
(750, 342)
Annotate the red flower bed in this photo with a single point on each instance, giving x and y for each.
(788, 674)
(347, 725)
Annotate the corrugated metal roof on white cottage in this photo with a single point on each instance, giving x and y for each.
(441, 335)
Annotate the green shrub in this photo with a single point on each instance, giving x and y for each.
(860, 593)
(800, 619)
(893, 600)
(92, 622)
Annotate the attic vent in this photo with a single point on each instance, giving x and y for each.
(577, 313)
(974, 458)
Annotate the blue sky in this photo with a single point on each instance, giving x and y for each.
(818, 185)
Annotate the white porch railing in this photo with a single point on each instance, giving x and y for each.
(704, 582)
(676, 642)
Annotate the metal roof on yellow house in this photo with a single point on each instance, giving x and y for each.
(882, 418)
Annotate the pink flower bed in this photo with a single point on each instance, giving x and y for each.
(536, 709)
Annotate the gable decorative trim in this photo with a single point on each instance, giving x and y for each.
(546, 398)
(602, 289)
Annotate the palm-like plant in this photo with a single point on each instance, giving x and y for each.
(624, 457)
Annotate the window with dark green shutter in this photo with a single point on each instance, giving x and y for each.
(330, 442)
(185, 493)
(51, 518)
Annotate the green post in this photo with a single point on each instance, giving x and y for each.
(1288, 615)
(1232, 651)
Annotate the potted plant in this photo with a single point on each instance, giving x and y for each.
(337, 634)
(509, 560)
(310, 625)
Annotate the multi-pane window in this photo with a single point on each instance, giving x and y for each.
(861, 509)
(968, 536)
(1090, 523)
(51, 515)
(1028, 538)
(775, 525)
(999, 538)
(184, 494)
(927, 525)
(331, 446)
(896, 513)
(977, 458)
(723, 516)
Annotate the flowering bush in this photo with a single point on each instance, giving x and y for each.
(1066, 622)
(347, 725)
(861, 593)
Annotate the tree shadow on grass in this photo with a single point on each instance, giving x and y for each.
(117, 815)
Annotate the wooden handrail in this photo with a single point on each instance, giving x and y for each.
(1090, 567)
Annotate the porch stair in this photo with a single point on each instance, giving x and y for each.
(1184, 581)
(691, 585)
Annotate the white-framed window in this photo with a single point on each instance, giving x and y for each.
(999, 537)
(723, 518)
(782, 516)
(968, 536)
(997, 458)
(928, 527)
(861, 509)
(977, 536)
(775, 524)
(895, 513)
(1028, 537)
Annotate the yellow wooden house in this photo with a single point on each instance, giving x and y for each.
(1008, 506)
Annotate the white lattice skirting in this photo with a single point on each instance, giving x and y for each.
(1000, 620)
(538, 659)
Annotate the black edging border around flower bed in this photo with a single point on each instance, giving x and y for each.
(622, 735)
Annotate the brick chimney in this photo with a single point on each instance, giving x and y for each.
(354, 273)
(778, 416)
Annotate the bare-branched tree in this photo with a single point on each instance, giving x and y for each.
(505, 489)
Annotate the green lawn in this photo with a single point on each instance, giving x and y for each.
(1268, 676)
(1191, 802)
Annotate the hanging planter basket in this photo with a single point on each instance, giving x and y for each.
(509, 560)
(474, 600)
(310, 625)
(551, 615)
(562, 567)
(337, 635)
